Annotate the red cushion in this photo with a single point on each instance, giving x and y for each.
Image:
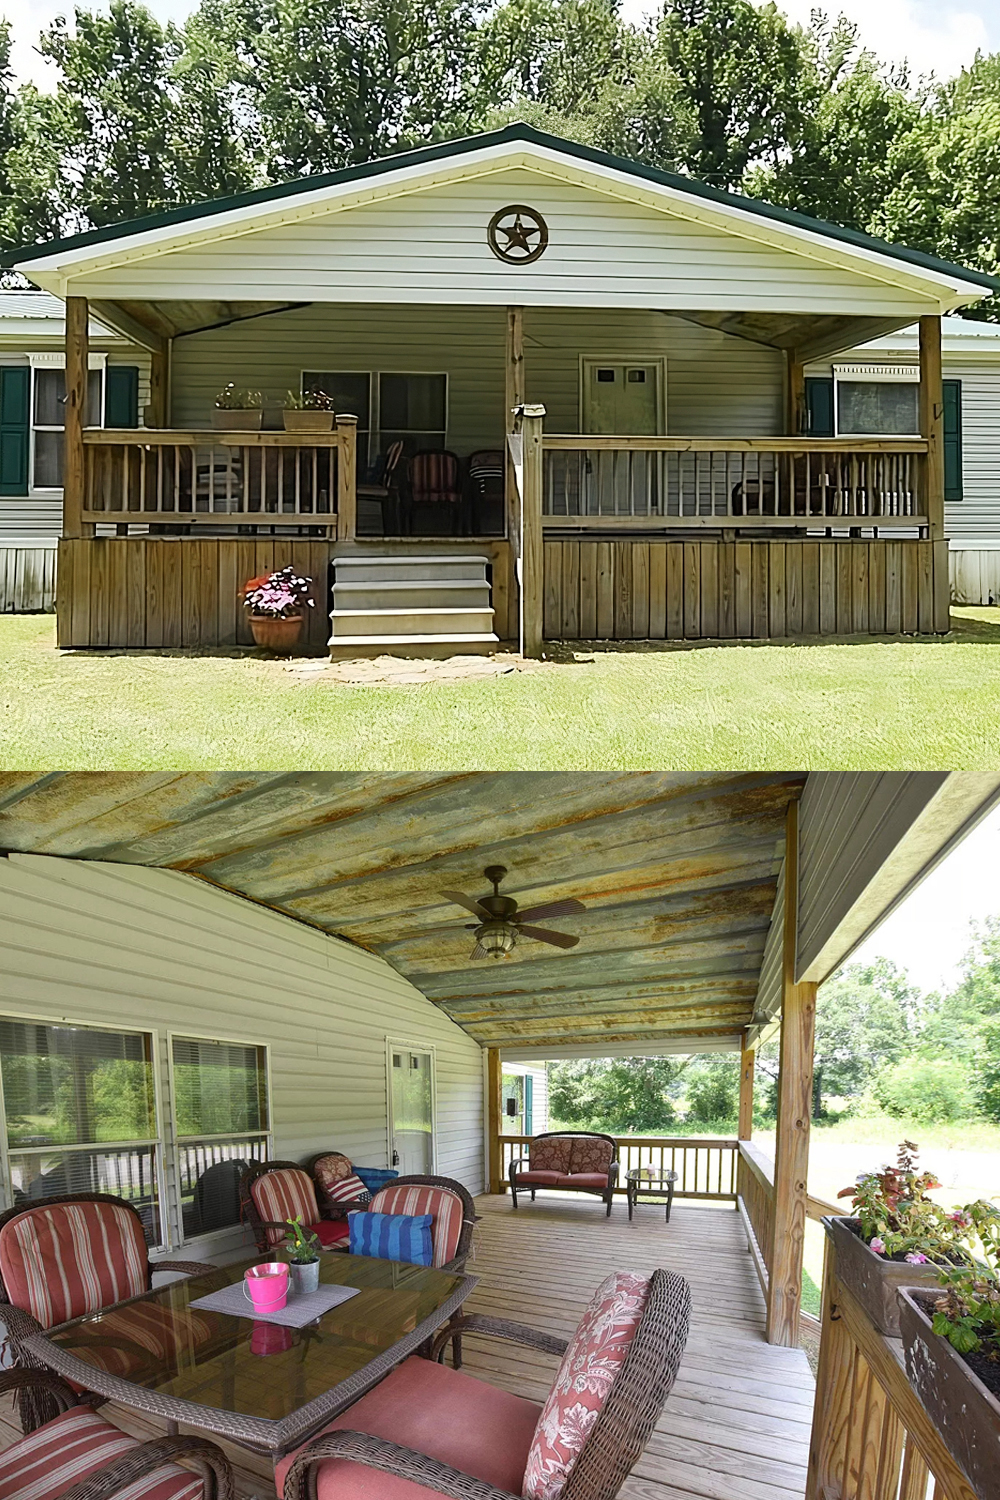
(584, 1180)
(440, 1412)
(61, 1260)
(330, 1231)
(286, 1193)
(538, 1179)
(445, 1206)
(47, 1463)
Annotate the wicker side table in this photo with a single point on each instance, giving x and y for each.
(637, 1186)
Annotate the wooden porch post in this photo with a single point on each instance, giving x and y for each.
(347, 478)
(158, 410)
(77, 365)
(532, 555)
(795, 395)
(745, 1128)
(493, 1118)
(513, 400)
(791, 1165)
(932, 428)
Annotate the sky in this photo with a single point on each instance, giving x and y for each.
(928, 934)
(933, 35)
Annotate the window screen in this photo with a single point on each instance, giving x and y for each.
(221, 1114)
(879, 407)
(80, 1114)
(48, 419)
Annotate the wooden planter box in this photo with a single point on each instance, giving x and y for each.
(872, 1279)
(965, 1413)
(248, 420)
(307, 421)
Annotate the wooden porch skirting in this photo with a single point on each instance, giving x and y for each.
(646, 589)
(182, 592)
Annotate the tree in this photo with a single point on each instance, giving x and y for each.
(865, 1018)
(627, 1095)
(713, 1086)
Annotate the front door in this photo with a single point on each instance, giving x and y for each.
(411, 1103)
(621, 399)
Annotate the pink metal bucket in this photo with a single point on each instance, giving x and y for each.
(267, 1286)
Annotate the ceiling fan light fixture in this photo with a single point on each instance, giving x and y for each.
(497, 938)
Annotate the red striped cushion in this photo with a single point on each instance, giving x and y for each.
(442, 1203)
(285, 1194)
(65, 1259)
(350, 1190)
(46, 1463)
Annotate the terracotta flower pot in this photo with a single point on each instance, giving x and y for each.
(276, 634)
(307, 421)
(872, 1279)
(965, 1412)
(237, 421)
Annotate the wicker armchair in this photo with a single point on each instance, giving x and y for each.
(576, 1161)
(44, 1282)
(488, 1444)
(77, 1455)
(451, 1205)
(272, 1192)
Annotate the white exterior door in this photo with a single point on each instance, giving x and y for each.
(621, 399)
(411, 1105)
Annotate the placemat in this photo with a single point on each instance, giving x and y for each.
(298, 1310)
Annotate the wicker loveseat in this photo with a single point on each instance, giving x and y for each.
(579, 1161)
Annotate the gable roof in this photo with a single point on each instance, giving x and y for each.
(454, 151)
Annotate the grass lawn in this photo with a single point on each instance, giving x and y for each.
(894, 704)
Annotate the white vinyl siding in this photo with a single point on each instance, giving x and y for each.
(97, 943)
(429, 245)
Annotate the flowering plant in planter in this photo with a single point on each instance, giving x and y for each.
(308, 401)
(967, 1313)
(278, 596)
(235, 398)
(897, 1219)
(303, 1245)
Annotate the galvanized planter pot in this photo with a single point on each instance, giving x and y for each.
(872, 1279)
(965, 1413)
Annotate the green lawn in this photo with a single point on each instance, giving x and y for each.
(895, 704)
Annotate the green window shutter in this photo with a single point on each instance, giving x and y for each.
(952, 439)
(529, 1089)
(819, 407)
(121, 396)
(15, 396)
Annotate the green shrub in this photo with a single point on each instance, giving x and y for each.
(932, 1090)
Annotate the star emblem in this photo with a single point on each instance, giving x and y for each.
(517, 234)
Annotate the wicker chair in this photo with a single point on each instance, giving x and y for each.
(559, 1159)
(43, 1283)
(80, 1456)
(450, 1203)
(268, 1205)
(477, 1442)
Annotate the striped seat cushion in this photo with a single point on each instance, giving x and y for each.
(442, 1204)
(349, 1190)
(47, 1463)
(287, 1193)
(405, 1237)
(62, 1260)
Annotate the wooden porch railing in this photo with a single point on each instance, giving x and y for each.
(706, 1167)
(755, 1201)
(149, 477)
(872, 1439)
(691, 483)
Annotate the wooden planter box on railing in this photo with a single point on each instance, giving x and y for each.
(810, 484)
(705, 1167)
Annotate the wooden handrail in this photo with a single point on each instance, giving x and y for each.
(706, 1165)
(597, 442)
(168, 437)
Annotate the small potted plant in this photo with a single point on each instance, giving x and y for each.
(277, 603)
(951, 1344)
(898, 1236)
(303, 1257)
(313, 411)
(238, 410)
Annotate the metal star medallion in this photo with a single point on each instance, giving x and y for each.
(517, 235)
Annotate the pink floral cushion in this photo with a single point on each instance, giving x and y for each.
(589, 1155)
(331, 1169)
(596, 1353)
(550, 1153)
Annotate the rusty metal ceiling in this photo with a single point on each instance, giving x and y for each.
(677, 871)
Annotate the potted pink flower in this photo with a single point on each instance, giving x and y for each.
(277, 603)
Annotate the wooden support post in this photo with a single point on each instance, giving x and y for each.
(347, 478)
(745, 1127)
(795, 395)
(532, 554)
(77, 366)
(493, 1119)
(932, 428)
(513, 400)
(791, 1164)
(158, 411)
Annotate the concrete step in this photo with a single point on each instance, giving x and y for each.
(409, 568)
(345, 647)
(439, 593)
(411, 622)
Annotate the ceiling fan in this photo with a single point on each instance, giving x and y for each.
(499, 924)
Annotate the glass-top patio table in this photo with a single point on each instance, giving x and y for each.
(259, 1384)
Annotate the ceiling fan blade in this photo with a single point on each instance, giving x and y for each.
(543, 935)
(469, 904)
(478, 951)
(552, 909)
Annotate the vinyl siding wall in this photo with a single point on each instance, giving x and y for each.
(113, 944)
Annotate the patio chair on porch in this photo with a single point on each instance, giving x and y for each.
(435, 490)
(428, 1427)
(486, 487)
(272, 1192)
(447, 1201)
(378, 498)
(68, 1256)
(78, 1453)
(579, 1161)
(339, 1189)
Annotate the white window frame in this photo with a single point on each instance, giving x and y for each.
(588, 361)
(876, 375)
(56, 362)
(375, 401)
(176, 1140)
(157, 1143)
(397, 1044)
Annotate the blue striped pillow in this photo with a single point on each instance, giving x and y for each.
(392, 1237)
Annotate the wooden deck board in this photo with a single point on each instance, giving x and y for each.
(736, 1426)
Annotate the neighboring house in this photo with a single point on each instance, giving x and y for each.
(32, 387)
(525, 1098)
(446, 298)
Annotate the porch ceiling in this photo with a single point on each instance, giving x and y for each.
(677, 871)
(807, 336)
(150, 323)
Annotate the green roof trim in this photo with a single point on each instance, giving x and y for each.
(509, 135)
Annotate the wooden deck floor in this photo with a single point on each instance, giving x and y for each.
(736, 1426)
